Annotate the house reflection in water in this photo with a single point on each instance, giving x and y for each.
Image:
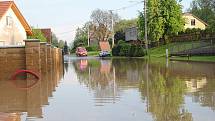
(14, 101)
(193, 85)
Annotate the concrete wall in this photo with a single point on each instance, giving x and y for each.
(38, 57)
(14, 34)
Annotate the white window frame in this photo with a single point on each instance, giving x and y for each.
(9, 21)
(2, 43)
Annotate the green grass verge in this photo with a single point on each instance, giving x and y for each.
(160, 52)
(93, 53)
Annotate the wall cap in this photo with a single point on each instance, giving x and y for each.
(31, 40)
(43, 43)
(12, 46)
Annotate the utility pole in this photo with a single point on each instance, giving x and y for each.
(146, 29)
(88, 40)
(112, 28)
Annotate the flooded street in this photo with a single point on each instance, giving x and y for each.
(92, 89)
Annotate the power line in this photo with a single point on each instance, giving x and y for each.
(118, 9)
(66, 32)
(126, 7)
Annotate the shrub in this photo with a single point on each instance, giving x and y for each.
(140, 52)
(116, 50)
(124, 50)
(121, 42)
(92, 48)
(132, 51)
(128, 50)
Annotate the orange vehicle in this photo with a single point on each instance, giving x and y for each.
(81, 51)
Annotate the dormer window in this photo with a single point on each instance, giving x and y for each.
(9, 21)
(193, 22)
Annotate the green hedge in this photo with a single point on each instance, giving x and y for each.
(92, 48)
(128, 50)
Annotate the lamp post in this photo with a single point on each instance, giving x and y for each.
(112, 28)
(146, 29)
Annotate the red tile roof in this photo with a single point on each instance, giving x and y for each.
(6, 5)
(105, 46)
(48, 34)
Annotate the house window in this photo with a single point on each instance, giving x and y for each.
(193, 22)
(2, 43)
(9, 21)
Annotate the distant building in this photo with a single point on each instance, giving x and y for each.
(194, 22)
(131, 34)
(13, 26)
(48, 34)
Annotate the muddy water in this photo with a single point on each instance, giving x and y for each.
(114, 90)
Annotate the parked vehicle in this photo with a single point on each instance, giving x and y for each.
(81, 51)
(104, 54)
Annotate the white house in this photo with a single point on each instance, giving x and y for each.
(192, 21)
(13, 26)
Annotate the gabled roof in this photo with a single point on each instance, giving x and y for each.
(190, 14)
(105, 46)
(6, 5)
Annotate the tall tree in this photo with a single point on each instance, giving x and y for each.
(54, 40)
(102, 24)
(155, 20)
(205, 10)
(81, 36)
(65, 48)
(171, 12)
(121, 26)
(164, 19)
(61, 44)
(37, 34)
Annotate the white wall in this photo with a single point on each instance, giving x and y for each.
(11, 35)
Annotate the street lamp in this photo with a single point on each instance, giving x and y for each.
(112, 27)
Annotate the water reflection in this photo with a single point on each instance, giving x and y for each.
(163, 88)
(15, 102)
(113, 90)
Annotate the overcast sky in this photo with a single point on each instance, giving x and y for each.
(64, 16)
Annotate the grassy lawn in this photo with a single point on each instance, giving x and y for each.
(93, 53)
(160, 52)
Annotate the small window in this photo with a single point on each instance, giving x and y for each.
(193, 22)
(2, 43)
(9, 21)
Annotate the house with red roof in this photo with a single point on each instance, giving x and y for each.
(13, 26)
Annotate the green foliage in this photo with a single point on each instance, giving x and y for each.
(141, 25)
(204, 9)
(116, 50)
(124, 24)
(81, 37)
(54, 40)
(128, 50)
(61, 44)
(37, 34)
(155, 20)
(121, 42)
(124, 50)
(92, 48)
(163, 20)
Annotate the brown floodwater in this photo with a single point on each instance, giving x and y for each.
(93, 89)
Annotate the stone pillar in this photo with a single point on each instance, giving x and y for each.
(33, 63)
(49, 69)
(44, 83)
(32, 51)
